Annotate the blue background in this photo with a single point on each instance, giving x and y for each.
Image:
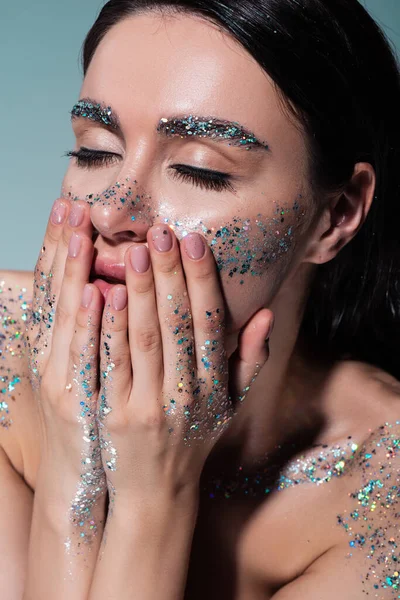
(41, 78)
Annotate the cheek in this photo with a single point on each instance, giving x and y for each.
(253, 255)
(253, 252)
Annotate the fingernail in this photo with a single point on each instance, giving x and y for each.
(74, 247)
(120, 298)
(87, 296)
(140, 259)
(162, 238)
(195, 246)
(76, 215)
(58, 213)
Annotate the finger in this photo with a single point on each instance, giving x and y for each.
(174, 311)
(207, 306)
(58, 216)
(54, 230)
(76, 275)
(143, 325)
(115, 359)
(79, 222)
(251, 355)
(82, 375)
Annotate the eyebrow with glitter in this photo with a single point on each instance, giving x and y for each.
(182, 126)
(96, 111)
(212, 128)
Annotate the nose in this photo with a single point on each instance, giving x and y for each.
(122, 213)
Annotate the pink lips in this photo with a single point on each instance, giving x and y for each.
(110, 270)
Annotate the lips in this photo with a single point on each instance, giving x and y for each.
(106, 273)
(112, 271)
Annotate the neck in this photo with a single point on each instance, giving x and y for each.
(271, 409)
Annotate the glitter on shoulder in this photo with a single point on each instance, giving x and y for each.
(373, 519)
(15, 306)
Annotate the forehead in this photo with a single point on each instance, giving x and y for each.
(149, 65)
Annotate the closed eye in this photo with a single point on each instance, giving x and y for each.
(87, 158)
(203, 178)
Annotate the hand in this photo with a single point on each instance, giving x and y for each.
(63, 342)
(168, 392)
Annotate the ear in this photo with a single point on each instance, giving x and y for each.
(343, 216)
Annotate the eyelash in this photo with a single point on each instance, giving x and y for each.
(202, 178)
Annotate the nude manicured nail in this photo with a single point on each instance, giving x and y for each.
(140, 259)
(194, 245)
(120, 299)
(162, 238)
(87, 296)
(75, 244)
(58, 213)
(76, 215)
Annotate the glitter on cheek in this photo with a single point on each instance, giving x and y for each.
(241, 246)
(248, 246)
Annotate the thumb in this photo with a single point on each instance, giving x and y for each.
(251, 354)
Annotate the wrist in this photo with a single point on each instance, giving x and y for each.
(62, 495)
(160, 506)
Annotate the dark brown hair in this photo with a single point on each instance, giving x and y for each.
(339, 76)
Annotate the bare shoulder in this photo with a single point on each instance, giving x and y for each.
(361, 558)
(15, 391)
(329, 498)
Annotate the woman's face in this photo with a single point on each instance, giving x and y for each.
(174, 85)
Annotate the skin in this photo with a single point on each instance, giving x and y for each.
(265, 180)
(286, 386)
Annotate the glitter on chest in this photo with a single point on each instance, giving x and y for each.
(317, 467)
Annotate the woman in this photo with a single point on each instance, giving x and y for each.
(234, 171)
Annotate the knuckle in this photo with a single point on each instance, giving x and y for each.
(144, 287)
(169, 267)
(177, 323)
(148, 340)
(66, 235)
(63, 317)
(213, 320)
(117, 422)
(116, 325)
(204, 273)
(119, 360)
(75, 356)
(87, 320)
(152, 420)
(52, 235)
